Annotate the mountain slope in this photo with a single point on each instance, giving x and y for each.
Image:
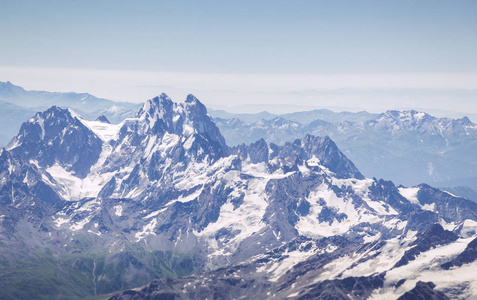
(161, 195)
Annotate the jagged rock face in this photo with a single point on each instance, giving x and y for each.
(329, 156)
(446, 204)
(103, 119)
(165, 139)
(162, 115)
(22, 183)
(321, 150)
(161, 195)
(57, 137)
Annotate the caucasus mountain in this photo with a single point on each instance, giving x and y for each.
(90, 208)
(407, 147)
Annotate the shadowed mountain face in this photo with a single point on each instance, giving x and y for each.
(90, 207)
(57, 137)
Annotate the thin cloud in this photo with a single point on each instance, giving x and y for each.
(232, 89)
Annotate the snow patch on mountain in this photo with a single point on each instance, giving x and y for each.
(118, 210)
(468, 228)
(410, 194)
(146, 230)
(106, 132)
(426, 267)
(384, 258)
(260, 170)
(289, 259)
(72, 188)
(361, 188)
(348, 215)
(187, 198)
(243, 221)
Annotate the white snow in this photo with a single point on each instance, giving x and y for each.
(73, 188)
(75, 115)
(410, 194)
(88, 206)
(188, 198)
(419, 115)
(430, 207)
(386, 258)
(106, 132)
(309, 225)
(59, 221)
(11, 168)
(168, 141)
(260, 170)
(361, 188)
(447, 226)
(15, 144)
(291, 259)
(97, 233)
(188, 144)
(118, 210)
(198, 173)
(313, 162)
(243, 221)
(41, 122)
(80, 225)
(155, 213)
(146, 230)
(426, 267)
(469, 228)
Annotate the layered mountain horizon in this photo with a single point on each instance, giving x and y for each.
(90, 208)
(407, 147)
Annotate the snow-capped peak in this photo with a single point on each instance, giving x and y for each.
(162, 115)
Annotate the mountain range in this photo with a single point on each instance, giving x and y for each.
(408, 147)
(161, 200)
(303, 117)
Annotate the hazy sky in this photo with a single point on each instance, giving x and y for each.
(245, 52)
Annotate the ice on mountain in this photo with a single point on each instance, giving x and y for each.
(146, 230)
(410, 194)
(105, 131)
(118, 210)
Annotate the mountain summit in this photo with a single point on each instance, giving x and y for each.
(189, 118)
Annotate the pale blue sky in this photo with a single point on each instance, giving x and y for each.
(242, 36)
(181, 47)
